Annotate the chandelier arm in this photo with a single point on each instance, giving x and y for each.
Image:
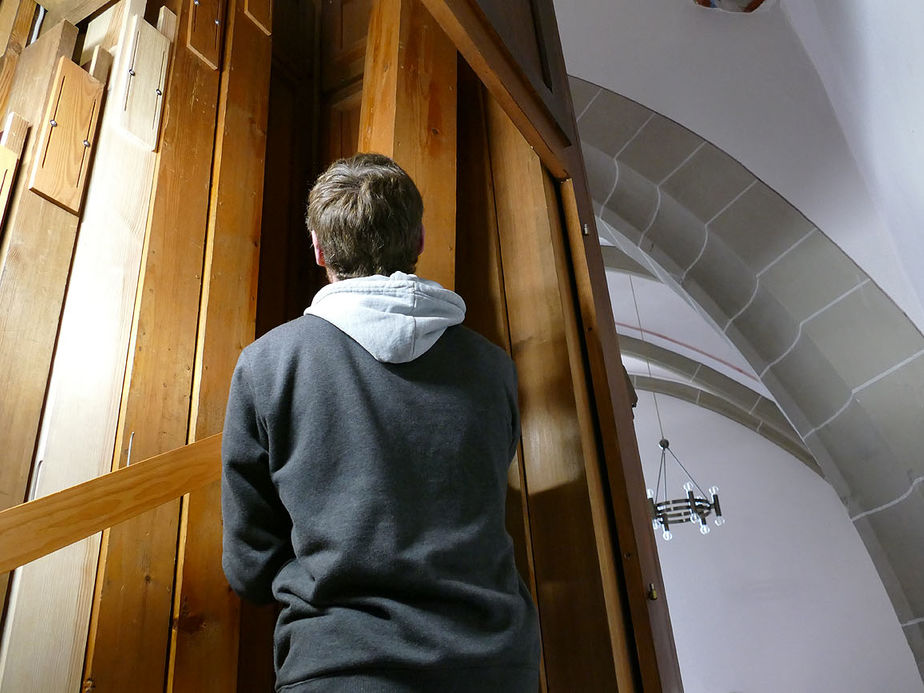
(690, 476)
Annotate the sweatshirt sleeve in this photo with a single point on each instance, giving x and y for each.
(256, 526)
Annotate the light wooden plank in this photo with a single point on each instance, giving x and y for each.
(35, 253)
(12, 140)
(206, 29)
(572, 607)
(143, 99)
(67, 135)
(13, 135)
(205, 643)
(72, 11)
(34, 529)
(130, 629)
(409, 113)
(15, 24)
(84, 393)
(260, 13)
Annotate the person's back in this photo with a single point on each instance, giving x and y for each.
(365, 461)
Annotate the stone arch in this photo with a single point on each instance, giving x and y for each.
(843, 362)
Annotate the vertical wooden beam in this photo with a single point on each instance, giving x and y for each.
(36, 245)
(52, 604)
(572, 607)
(205, 645)
(129, 641)
(409, 111)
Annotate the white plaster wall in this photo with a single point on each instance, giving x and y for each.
(784, 596)
(869, 58)
(745, 83)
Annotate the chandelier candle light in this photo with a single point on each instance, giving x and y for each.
(692, 508)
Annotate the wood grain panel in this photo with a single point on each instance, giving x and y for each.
(205, 30)
(16, 17)
(31, 530)
(130, 631)
(260, 13)
(85, 391)
(206, 611)
(409, 113)
(479, 43)
(340, 123)
(35, 253)
(344, 26)
(613, 583)
(67, 134)
(143, 98)
(480, 282)
(572, 607)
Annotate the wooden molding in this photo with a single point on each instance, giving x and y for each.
(206, 29)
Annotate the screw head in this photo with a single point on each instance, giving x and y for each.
(131, 72)
(54, 123)
(86, 143)
(159, 92)
(216, 22)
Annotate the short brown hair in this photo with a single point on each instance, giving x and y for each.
(366, 213)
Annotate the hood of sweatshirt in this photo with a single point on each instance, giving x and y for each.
(396, 318)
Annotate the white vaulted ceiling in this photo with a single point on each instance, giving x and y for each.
(741, 173)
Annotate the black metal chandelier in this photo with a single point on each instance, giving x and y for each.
(691, 508)
(665, 511)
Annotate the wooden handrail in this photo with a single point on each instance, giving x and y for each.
(34, 529)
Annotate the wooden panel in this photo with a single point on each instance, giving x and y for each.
(17, 16)
(613, 583)
(344, 26)
(480, 282)
(206, 29)
(12, 141)
(572, 607)
(409, 113)
(206, 611)
(130, 629)
(35, 253)
(477, 40)
(67, 134)
(85, 391)
(34, 529)
(261, 14)
(340, 124)
(143, 97)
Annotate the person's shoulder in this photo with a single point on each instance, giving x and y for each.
(289, 337)
(485, 350)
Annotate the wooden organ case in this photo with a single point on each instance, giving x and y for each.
(154, 163)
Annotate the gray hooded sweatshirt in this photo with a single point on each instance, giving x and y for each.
(365, 457)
